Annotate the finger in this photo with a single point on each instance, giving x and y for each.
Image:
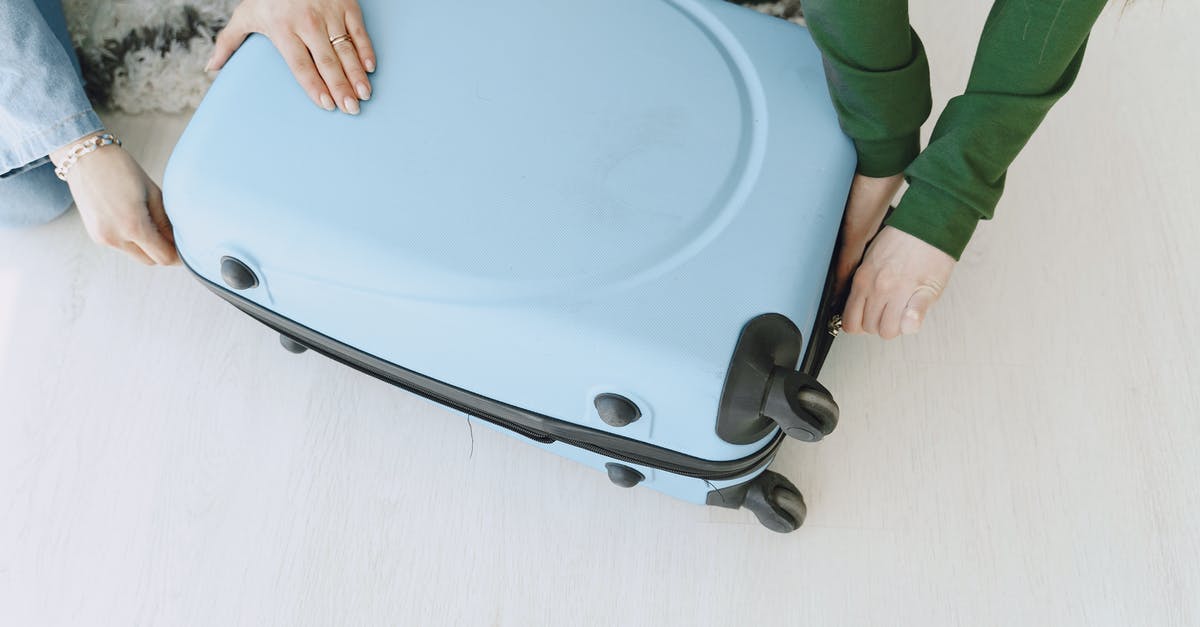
(357, 29)
(153, 243)
(136, 252)
(158, 213)
(889, 319)
(351, 63)
(849, 257)
(873, 312)
(329, 65)
(228, 41)
(852, 315)
(298, 59)
(841, 273)
(917, 308)
(154, 239)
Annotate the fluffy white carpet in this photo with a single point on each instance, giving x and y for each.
(145, 55)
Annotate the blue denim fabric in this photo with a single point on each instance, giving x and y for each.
(42, 107)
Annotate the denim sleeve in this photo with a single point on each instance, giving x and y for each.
(42, 103)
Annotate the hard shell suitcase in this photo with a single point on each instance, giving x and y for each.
(604, 225)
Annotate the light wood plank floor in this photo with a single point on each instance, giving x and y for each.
(1032, 458)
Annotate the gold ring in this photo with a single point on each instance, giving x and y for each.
(333, 41)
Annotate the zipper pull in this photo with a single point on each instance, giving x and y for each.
(835, 325)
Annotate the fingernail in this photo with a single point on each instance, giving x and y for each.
(351, 105)
(363, 92)
(369, 64)
(327, 102)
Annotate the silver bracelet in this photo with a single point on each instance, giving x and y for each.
(87, 146)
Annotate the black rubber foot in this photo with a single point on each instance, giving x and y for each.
(776, 502)
(292, 346)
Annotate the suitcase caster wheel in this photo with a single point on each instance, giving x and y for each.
(803, 408)
(291, 346)
(776, 502)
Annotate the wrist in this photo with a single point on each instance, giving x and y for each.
(935, 217)
(60, 154)
(66, 157)
(885, 158)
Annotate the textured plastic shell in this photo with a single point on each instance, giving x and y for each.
(542, 201)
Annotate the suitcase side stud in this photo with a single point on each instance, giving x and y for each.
(623, 476)
(616, 410)
(237, 275)
(291, 345)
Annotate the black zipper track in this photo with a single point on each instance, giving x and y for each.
(536, 436)
(694, 467)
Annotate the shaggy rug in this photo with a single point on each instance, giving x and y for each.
(149, 55)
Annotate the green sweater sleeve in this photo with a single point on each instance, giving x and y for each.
(1028, 57)
(878, 76)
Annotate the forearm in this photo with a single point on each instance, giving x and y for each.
(1029, 55)
(878, 77)
(42, 103)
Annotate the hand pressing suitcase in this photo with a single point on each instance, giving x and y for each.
(605, 226)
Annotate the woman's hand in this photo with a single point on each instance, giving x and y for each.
(901, 276)
(324, 42)
(120, 206)
(865, 209)
(899, 280)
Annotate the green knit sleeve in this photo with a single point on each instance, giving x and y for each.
(1028, 57)
(878, 78)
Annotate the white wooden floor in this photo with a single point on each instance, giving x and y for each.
(1032, 458)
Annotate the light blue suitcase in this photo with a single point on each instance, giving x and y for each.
(604, 225)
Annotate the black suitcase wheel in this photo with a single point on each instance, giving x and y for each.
(801, 406)
(820, 406)
(290, 345)
(776, 502)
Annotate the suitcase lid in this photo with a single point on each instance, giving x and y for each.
(543, 202)
(508, 149)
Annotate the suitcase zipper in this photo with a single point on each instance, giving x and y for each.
(656, 457)
(542, 437)
(546, 438)
(678, 470)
